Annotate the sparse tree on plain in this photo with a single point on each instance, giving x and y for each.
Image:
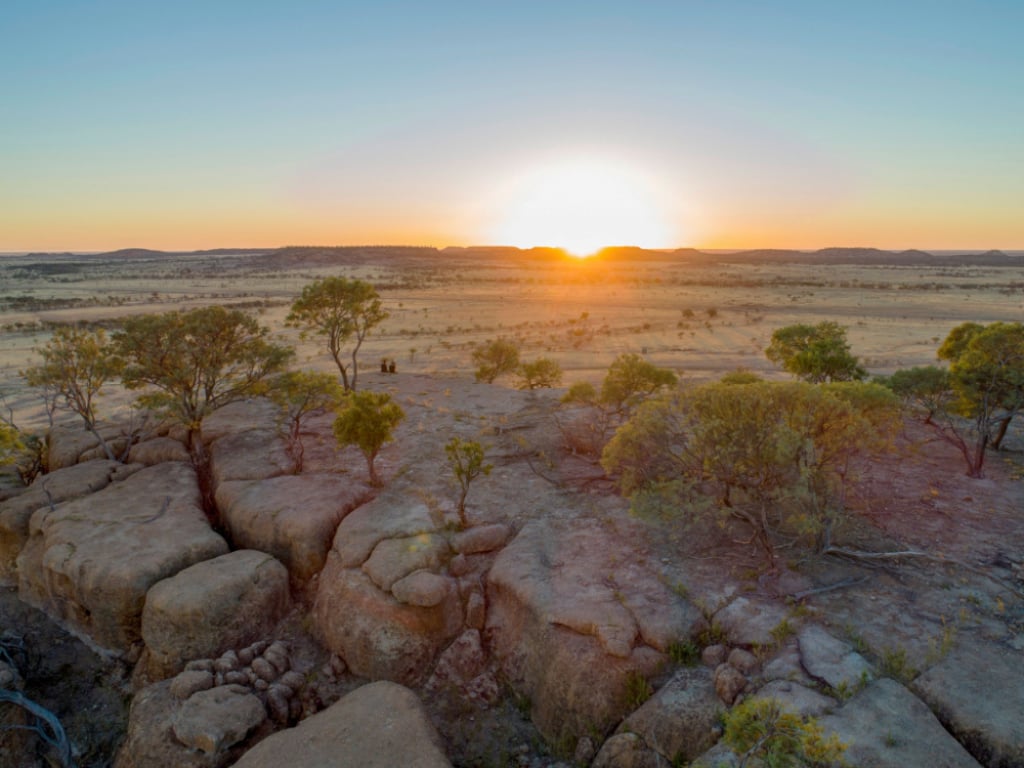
(466, 459)
(495, 358)
(541, 373)
(367, 420)
(815, 353)
(77, 363)
(340, 310)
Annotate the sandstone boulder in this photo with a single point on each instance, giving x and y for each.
(679, 721)
(61, 485)
(150, 739)
(91, 561)
(977, 692)
(394, 559)
(212, 606)
(750, 622)
(378, 636)
(214, 720)
(886, 726)
(240, 416)
(383, 518)
(798, 698)
(481, 538)
(255, 454)
(69, 442)
(626, 750)
(293, 517)
(157, 451)
(380, 725)
(573, 613)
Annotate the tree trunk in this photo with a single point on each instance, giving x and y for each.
(1004, 424)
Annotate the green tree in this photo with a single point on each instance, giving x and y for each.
(762, 730)
(542, 372)
(367, 420)
(192, 363)
(299, 394)
(629, 380)
(494, 358)
(776, 456)
(77, 363)
(815, 353)
(987, 372)
(466, 459)
(340, 310)
(971, 405)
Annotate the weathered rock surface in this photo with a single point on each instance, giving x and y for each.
(69, 443)
(380, 725)
(394, 559)
(977, 692)
(830, 660)
(378, 636)
(798, 698)
(157, 451)
(886, 726)
(481, 538)
(626, 750)
(255, 454)
(750, 622)
(573, 612)
(62, 485)
(729, 683)
(240, 416)
(423, 588)
(679, 721)
(293, 517)
(214, 720)
(207, 608)
(362, 530)
(150, 739)
(91, 561)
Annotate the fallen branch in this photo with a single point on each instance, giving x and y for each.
(47, 727)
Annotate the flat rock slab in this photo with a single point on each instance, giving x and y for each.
(91, 561)
(240, 416)
(252, 455)
(157, 451)
(679, 721)
(52, 488)
(292, 517)
(381, 725)
(207, 608)
(977, 691)
(794, 697)
(886, 726)
(750, 622)
(831, 660)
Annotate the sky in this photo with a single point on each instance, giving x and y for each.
(729, 124)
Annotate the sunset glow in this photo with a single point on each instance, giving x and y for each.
(582, 205)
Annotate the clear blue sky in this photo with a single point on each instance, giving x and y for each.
(807, 124)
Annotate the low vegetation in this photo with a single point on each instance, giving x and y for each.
(367, 420)
(761, 730)
(466, 460)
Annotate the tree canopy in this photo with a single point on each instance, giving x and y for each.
(340, 310)
(540, 373)
(466, 459)
(494, 358)
(299, 394)
(367, 420)
(194, 362)
(774, 455)
(815, 353)
(76, 364)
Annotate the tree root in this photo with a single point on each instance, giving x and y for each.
(47, 727)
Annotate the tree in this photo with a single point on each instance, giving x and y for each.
(815, 353)
(494, 358)
(971, 405)
(629, 380)
(761, 729)
(367, 420)
(542, 372)
(466, 459)
(197, 361)
(299, 394)
(987, 371)
(77, 363)
(776, 456)
(339, 309)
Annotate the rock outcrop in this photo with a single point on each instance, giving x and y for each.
(573, 614)
(61, 485)
(91, 561)
(977, 691)
(293, 517)
(207, 608)
(380, 725)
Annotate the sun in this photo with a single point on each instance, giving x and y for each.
(582, 204)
